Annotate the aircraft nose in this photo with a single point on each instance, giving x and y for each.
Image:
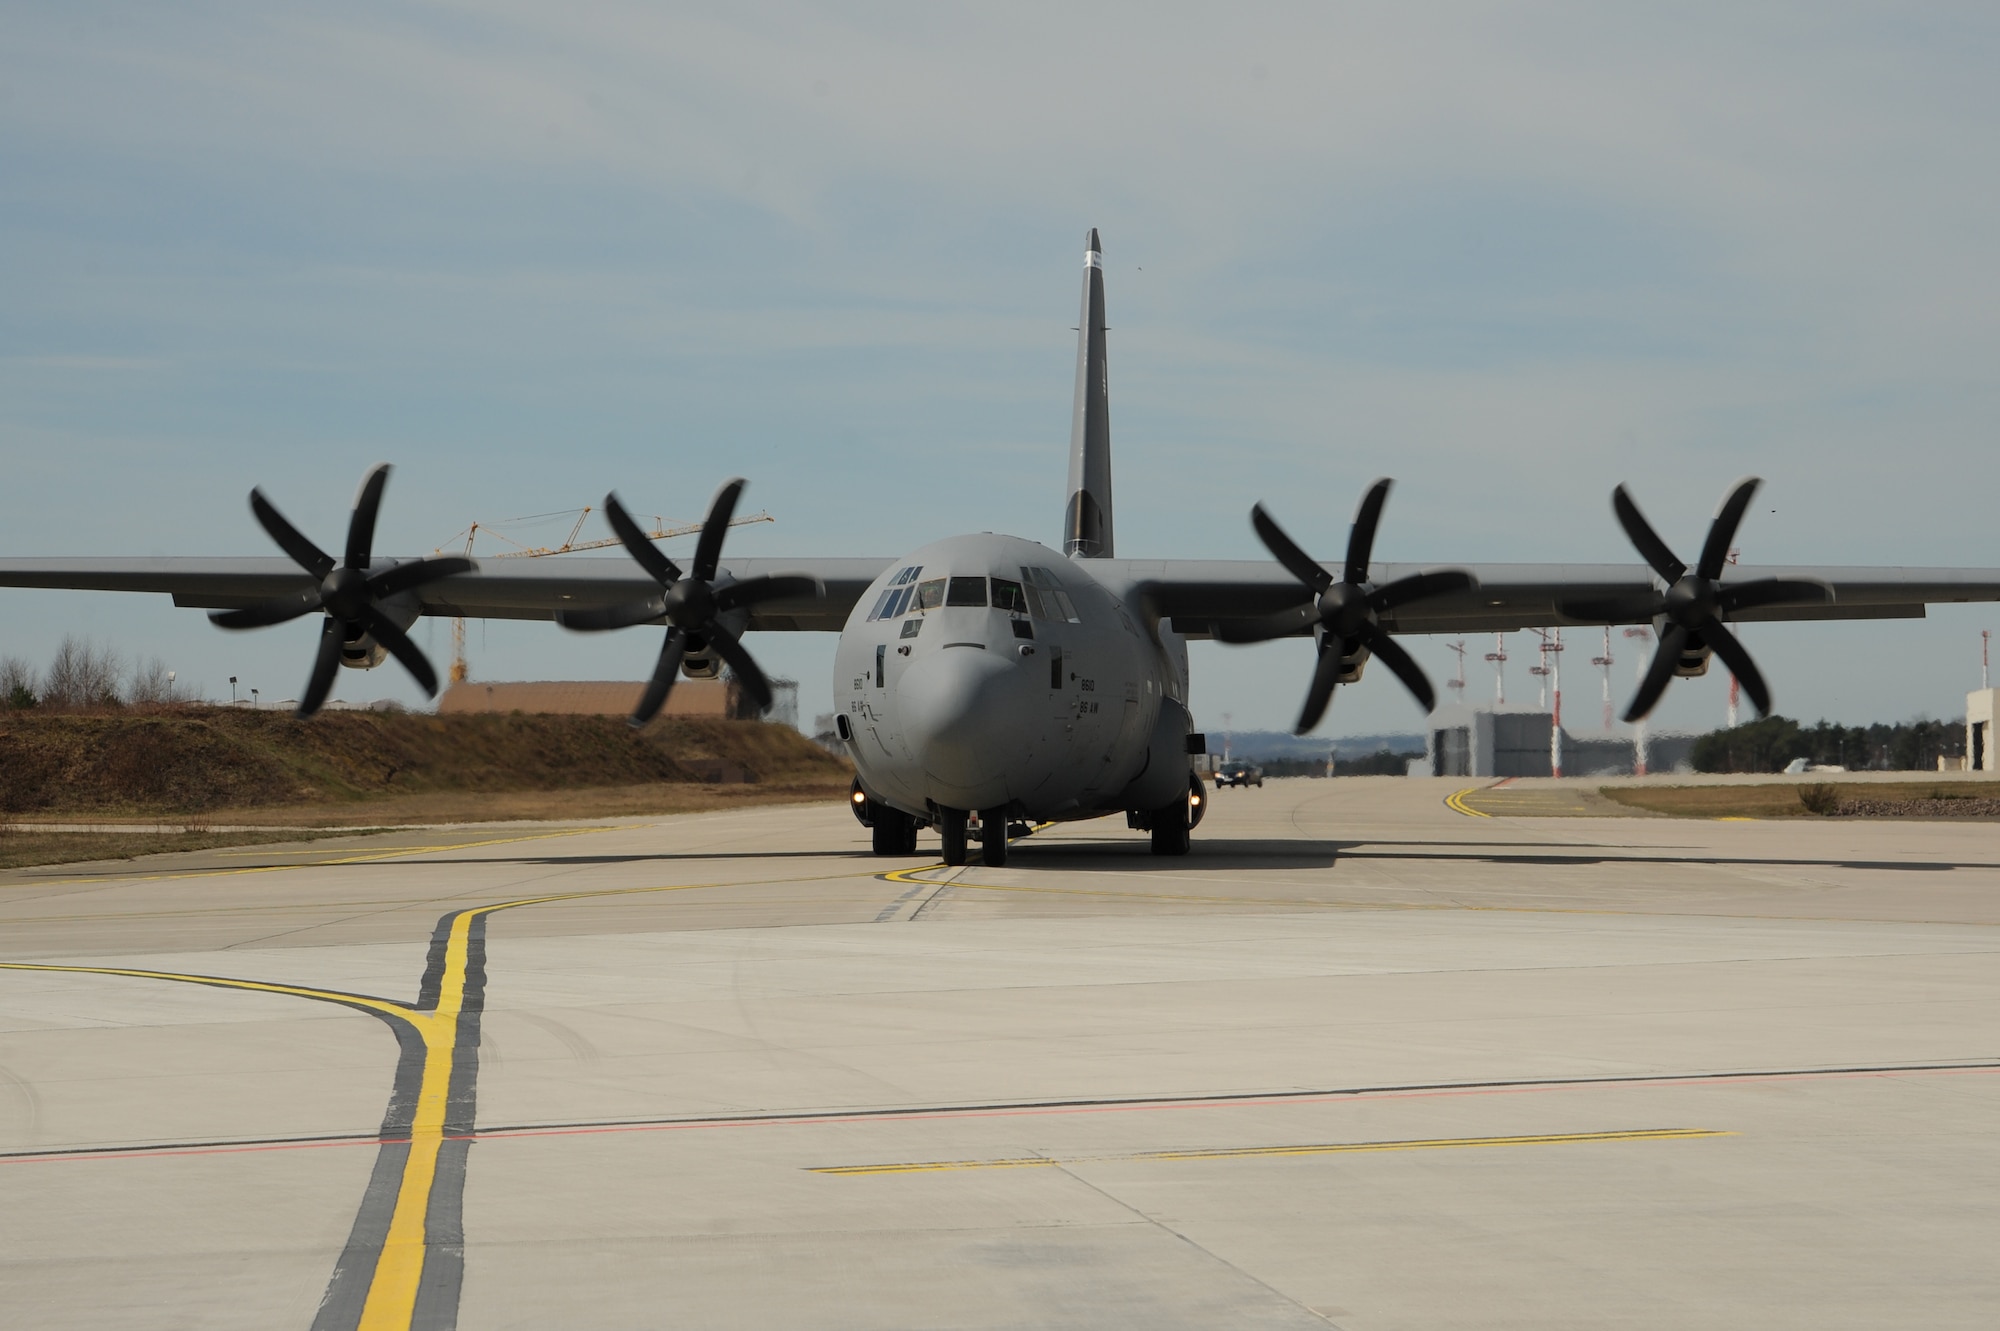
(961, 721)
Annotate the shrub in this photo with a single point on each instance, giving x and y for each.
(17, 683)
(1820, 798)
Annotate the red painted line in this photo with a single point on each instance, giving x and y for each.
(158, 1152)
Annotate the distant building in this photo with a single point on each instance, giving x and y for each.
(1514, 741)
(1981, 706)
(690, 697)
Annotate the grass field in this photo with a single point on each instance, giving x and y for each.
(1790, 799)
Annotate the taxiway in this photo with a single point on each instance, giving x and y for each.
(1361, 1059)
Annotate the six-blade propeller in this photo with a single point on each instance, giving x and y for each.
(1695, 599)
(347, 592)
(692, 605)
(1346, 609)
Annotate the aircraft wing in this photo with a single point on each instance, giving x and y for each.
(497, 589)
(1200, 595)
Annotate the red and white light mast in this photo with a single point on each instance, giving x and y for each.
(1605, 661)
(1550, 671)
(1498, 656)
(1639, 727)
(1735, 689)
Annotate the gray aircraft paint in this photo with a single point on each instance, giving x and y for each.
(952, 707)
(1087, 522)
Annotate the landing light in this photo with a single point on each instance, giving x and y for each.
(859, 798)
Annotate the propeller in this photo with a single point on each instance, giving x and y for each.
(1346, 609)
(1696, 599)
(347, 592)
(692, 605)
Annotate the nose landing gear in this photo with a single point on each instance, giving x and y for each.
(951, 826)
(993, 837)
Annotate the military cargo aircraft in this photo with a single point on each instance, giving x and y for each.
(996, 678)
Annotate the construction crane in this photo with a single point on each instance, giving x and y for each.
(463, 542)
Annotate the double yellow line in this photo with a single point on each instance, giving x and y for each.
(1456, 803)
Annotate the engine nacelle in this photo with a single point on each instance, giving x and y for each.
(363, 652)
(701, 662)
(1351, 665)
(1693, 660)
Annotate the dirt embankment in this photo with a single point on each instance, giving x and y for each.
(201, 762)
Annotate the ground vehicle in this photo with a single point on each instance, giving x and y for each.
(1240, 774)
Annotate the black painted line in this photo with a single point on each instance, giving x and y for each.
(1233, 1097)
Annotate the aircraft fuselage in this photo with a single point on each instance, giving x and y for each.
(989, 672)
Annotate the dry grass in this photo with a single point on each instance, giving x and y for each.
(1785, 799)
(586, 802)
(240, 766)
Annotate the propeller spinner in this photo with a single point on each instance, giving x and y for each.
(692, 605)
(1347, 609)
(1696, 599)
(347, 592)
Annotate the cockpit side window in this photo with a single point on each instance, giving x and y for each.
(1047, 600)
(1009, 596)
(966, 591)
(930, 595)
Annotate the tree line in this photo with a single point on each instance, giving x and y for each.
(84, 676)
(1775, 742)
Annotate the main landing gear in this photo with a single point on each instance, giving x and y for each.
(895, 831)
(892, 831)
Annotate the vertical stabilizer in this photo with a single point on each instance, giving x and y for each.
(1087, 524)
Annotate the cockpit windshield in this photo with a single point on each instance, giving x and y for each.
(1037, 594)
(896, 597)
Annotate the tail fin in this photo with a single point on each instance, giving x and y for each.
(1087, 525)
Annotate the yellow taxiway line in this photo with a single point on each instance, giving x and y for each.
(1456, 803)
(1252, 1152)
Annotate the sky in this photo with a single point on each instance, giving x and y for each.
(1509, 255)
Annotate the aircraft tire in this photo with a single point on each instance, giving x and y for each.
(993, 837)
(951, 827)
(1170, 829)
(895, 831)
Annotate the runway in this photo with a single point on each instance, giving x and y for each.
(1363, 1059)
